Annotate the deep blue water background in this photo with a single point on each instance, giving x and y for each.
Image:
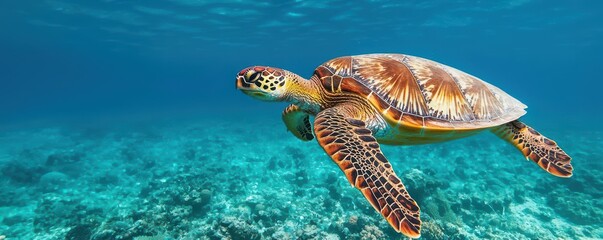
(72, 60)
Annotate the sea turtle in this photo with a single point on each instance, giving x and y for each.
(362, 101)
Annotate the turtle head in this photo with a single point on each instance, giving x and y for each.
(264, 83)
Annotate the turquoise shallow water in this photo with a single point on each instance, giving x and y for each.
(210, 179)
(120, 119)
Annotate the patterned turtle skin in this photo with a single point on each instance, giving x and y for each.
(359, 102)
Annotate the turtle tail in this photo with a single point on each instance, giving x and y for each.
(536, 147)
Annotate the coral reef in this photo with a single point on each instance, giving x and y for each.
(188, 181)
(579, 208)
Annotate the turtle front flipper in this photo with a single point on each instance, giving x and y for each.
(298, 122)
(536, 147)
(352, 146)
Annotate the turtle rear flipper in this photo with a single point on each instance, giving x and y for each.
(536, 147)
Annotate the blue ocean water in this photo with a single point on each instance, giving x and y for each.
(120, 119)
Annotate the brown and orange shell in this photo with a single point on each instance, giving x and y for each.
(420, 93)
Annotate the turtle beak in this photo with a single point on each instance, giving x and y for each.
(241, 84)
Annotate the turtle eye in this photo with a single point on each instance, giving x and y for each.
(248, 75)
(252, 76)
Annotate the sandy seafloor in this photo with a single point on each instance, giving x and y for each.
(250, 179)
